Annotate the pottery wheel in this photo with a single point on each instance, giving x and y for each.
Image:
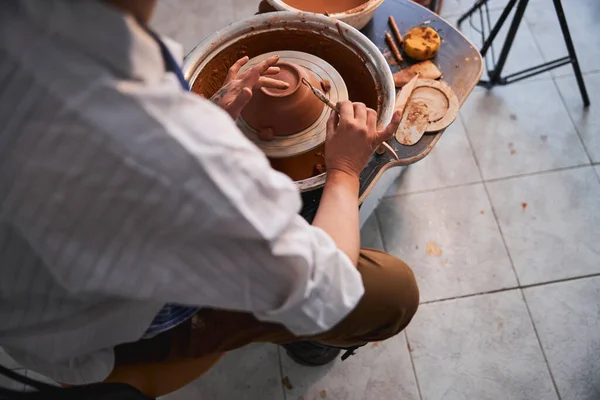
(314, 135)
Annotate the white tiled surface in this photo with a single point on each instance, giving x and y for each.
(466, 200)
(586, 120)
(566, 317)
(521, 128)
(378, 371)
(556, 235)
(458, 222)
(481, 347)
(450, 163)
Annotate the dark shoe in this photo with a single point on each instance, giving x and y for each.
(311, 354)
(314, 354)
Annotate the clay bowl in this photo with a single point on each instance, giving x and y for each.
(357, 17)
(363, 68)
(286, 111)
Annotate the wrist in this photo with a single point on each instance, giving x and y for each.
(338, 177)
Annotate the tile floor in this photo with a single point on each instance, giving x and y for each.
(510, 199)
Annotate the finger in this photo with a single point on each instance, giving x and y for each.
(235, 68)
(271, 83)
(371, 120)
(273, 71)
(236, 106)
(391, 129)
(252, 76)
(331, 123)
(346, 110)
(360, 112)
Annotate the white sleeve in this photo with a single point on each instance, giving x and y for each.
(150, 193)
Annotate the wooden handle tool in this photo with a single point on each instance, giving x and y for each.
(321, 96)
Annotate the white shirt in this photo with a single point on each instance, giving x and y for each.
(120, 192)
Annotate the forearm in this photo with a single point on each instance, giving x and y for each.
(338, 212)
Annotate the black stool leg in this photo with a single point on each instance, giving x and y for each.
(471, 11)
(571, 49)
(510, 37)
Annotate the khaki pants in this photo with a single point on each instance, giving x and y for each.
(390, 301)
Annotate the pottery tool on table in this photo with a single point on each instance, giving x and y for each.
(428, 106)
(321, 96)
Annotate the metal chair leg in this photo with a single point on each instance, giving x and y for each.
(571, 50)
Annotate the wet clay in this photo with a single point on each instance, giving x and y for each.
(288, 111)
(325, 85)
(301, 166)
(361, 85)
(322, 6)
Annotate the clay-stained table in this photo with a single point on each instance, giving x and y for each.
(459, 62)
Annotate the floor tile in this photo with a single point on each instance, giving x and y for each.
(378, 371)
(450, 163)
(452, 8)
(243, 9)
(551, 223)
(521, 128)
(567, 319)
(6, 361)
(582, 18)
(249, 373)
(450, 239)
(481, 347)
(524, 52)
(587, 120)
(370, 235)
(8, 383)
(190, 21)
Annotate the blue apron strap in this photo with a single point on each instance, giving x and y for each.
(170, 64)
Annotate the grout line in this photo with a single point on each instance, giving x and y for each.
(492, 180)
(574, 278)
(281, 372)
(412, 362)
(573, 124)
(459, 185)
(531, 285)
(466, 296)
(537, 335)
(493, 208)
(548, 171)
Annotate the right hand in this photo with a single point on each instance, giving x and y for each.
(352, 137)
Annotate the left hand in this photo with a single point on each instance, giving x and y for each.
(237, 90)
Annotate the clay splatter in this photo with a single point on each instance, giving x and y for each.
(524, 206)
(482, 212)
(287, 383)
(323, 394)
(432, 249)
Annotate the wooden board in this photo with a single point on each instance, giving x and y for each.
(461, 75)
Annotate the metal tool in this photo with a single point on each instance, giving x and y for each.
(321, 96)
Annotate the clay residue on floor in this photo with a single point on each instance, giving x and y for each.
(287, 383)
(323, 394)
(524, 206)
(433, 249)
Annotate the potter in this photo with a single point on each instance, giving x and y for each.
(322, 6)
(168, 238)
